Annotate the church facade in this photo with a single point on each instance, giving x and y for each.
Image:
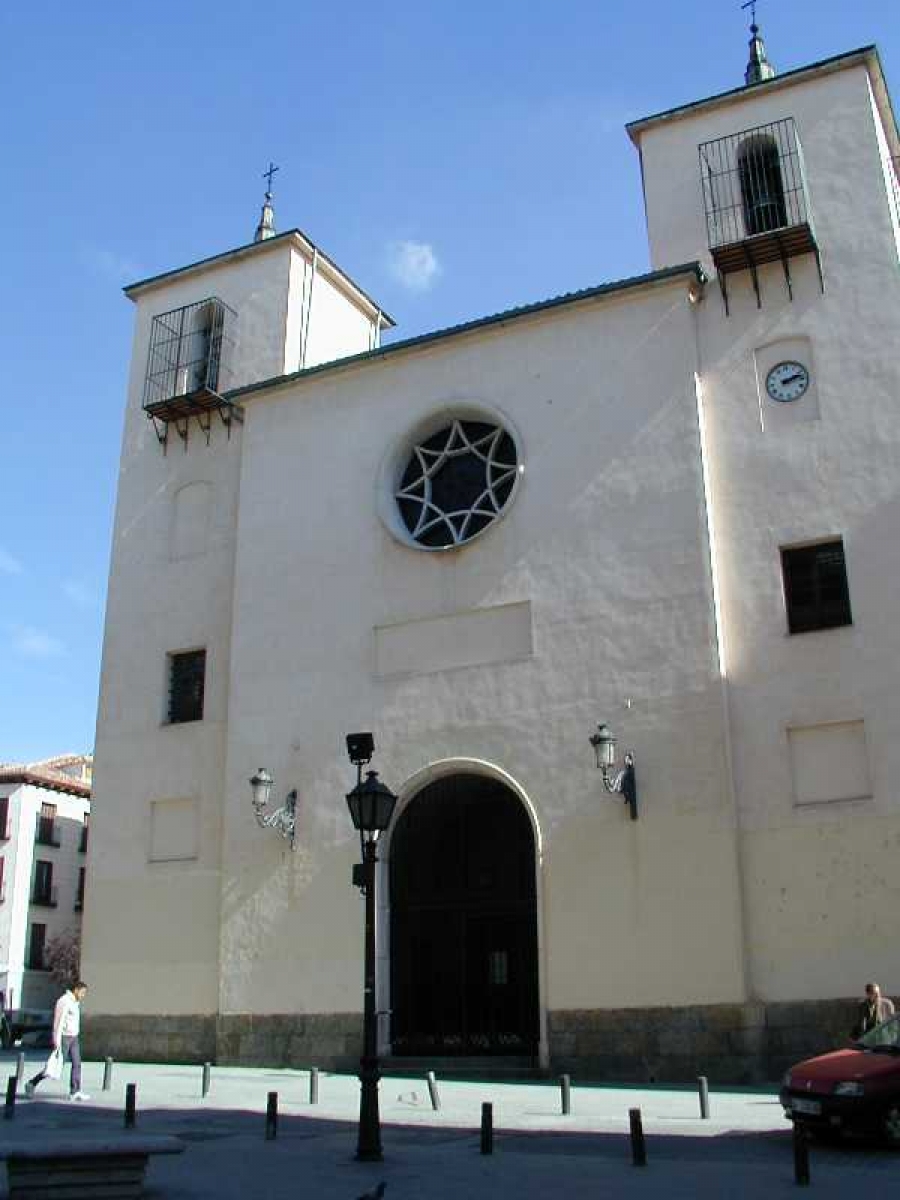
(666, 505)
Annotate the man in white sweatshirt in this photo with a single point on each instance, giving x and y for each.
(66, 1030)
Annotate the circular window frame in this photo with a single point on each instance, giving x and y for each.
(397, 458)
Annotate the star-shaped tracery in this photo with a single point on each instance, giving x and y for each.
(456, 482)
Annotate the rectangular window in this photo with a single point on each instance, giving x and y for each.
(815, 587)
(47, 834)
(2, 881)
(79, 895)
(82, 845)
(4, 818)
(36, 947)
(43, 883)
(187, 672)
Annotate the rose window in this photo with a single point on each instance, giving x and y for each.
(457, 482)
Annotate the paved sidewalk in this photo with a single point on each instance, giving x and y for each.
(743, 1152)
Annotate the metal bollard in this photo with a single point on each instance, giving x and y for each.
(433, 1091)
(487, 1129)
(9, 1110)
(314, 1085)
(565, 1088)
(801, 1156)
(20, 1067)
(638, 1146)
(130, 1105)
(271, 1116)
(107, 1074)
(703, 1087)
(204, 1087)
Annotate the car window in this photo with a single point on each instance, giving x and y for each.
(887, 1034)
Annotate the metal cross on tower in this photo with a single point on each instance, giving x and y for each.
(267, 175)
(751, 4)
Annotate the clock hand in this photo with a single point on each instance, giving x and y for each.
(792, 378)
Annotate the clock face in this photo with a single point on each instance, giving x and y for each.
(787, 381)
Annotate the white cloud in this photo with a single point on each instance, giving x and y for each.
(8, 564)
(415, 265)
(35, 643)
(110, 265)
(79, 593)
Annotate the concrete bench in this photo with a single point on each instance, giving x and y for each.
(111, 1167)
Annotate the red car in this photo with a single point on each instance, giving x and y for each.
(854, 1091)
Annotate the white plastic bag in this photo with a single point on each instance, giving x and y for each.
(54, 1065)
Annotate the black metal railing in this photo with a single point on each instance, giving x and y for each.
(190, 358)
(753, 183)
(47, 832)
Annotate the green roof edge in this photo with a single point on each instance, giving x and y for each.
(679, 109)
(437, 335)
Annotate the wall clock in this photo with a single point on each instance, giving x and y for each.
(787, 381)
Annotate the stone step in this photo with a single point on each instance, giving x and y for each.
(498, 1067)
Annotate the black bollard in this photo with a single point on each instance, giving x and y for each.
(9, 1110)
(703, 1088)
(487, 1129)
(130, 1105)
(433, 1091)
(801, 1156)
(204, 1087)
(565, 1089)
(314, 1085)
(272, 1116)
(107, 1074)
(20, 1067)
(638, 1147)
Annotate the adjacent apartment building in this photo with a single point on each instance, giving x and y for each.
(44, 812)
(667, 504)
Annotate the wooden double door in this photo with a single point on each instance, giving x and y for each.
(464, 977)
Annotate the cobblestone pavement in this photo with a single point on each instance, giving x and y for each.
(742, 1153)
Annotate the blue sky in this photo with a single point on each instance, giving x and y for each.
(454, 159)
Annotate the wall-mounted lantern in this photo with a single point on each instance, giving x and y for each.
(282, 819)
(616, 782)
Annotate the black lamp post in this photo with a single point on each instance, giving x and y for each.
(371, 807)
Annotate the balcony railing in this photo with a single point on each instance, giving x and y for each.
(44, 897)
(47, 832)
(755, 199)
(189, 366)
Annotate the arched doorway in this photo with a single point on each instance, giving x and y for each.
(464, 977)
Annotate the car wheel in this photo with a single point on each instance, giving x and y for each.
(890, 1125)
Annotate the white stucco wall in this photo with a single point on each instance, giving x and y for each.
(819, 880)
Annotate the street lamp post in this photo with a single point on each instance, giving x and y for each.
(371, 806)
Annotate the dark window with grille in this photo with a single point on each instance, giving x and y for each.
(46, 833)
(815, 587)
(4, 817)
(43, 883)
(36, 946)
(186, 678)
(79, 895)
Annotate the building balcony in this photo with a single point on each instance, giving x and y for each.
(189, 366)
(44, 898)
(47, 832)
(756, 201)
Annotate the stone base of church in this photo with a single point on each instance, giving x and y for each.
(729, 1043)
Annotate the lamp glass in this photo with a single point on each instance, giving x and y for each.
(604, 744)
(371, 804)
(261, 788)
